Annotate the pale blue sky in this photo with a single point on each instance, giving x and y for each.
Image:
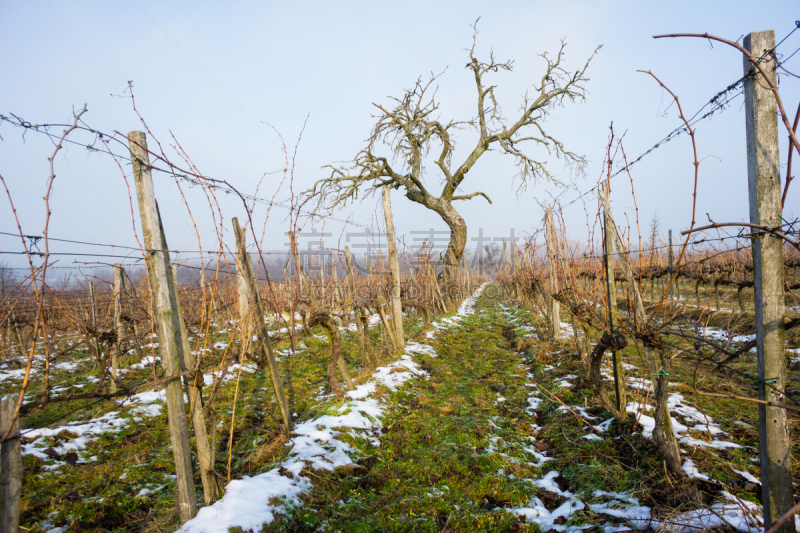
(214, 72)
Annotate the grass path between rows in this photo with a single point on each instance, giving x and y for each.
(494, 439)
(453, 449)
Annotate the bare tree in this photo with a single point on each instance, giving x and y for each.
(411, 129)
(655, 230)
(8, 280)
(491, 261)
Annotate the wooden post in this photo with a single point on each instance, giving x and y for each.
(552, 246)
(159, 268)
(379, 306)
(193, 385)
(246, 322)
(256, 314)
(671, 265)
(299, 266)
(129, 293)
(96, 334)
(321, 260)
(10, 468)
(764, 185)
(517, 270)
(360, 325)
(394, 263)
(513, 252)
(611, 289)
(437, 291)
(697, 294)
(119, 328)
(93, 303)
(561, 252)
(337, 291)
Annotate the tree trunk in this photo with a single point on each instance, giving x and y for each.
(614, 343)
(452, 258)
(663, 432)
(324, 319)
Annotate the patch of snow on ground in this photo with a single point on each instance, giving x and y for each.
(15, 374)
(748, 476)
(537, 513)
(246, 503)
(721, 335)
(467, 307)
(676, 405)
(548, 483)
(692, 470)
(416, 348)
(86, 432)
(740, 515)
(146, 362)
(622, 505)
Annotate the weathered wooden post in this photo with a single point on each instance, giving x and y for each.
(119, 328)
(193, 385)
(562, 261)
(697, 294)
(390, 331)
(321, 259)
(671, 265)
(518, 270)
(165, 301)
(764, 185)
(611, 290)
(93, 305)
(552, 263)
(10, 467)
(394, 263)
(338, 297)
(255, 314)
(357, 307)
(298, 264)
(246, 321)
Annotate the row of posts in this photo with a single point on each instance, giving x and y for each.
(180, 367)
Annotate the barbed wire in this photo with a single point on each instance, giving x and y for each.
(44, 129)
(287, 254)
(36, 238)
(719, 102)
(666, 247)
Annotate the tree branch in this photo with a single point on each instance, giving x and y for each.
(470, 196)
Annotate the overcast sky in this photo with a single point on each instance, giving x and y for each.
(221, 75)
